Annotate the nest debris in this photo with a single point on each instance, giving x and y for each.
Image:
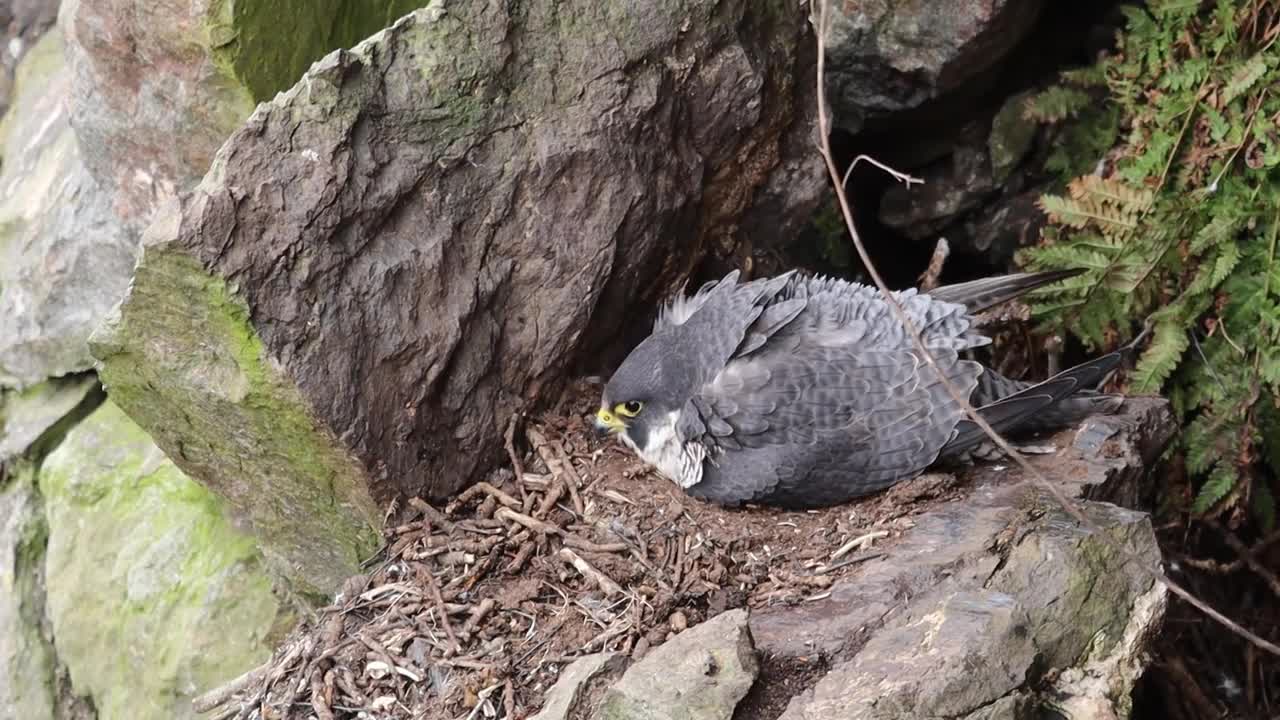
(472, 609)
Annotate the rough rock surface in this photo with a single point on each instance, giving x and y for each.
(31, 423)
(22, 22)
(151, 592)
(160, 85)
(390, 221)
(64, 260)
(981, 196)
(26, 656)
(1001, 590)
(700, 674)
(571, 695)
(886, 57)
(28, 417)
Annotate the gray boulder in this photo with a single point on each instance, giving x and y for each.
(64, 258)
(886, 57)
(699, 674)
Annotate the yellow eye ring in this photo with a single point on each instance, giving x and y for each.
(629, 409)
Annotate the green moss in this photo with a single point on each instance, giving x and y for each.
(27, 664)
(144, 570)
(1010, 138)
(184, 361)
(247, 41)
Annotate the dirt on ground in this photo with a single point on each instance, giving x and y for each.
(474, 608)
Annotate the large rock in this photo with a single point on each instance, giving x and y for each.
(700, 674)
(408, 246)
(886, 57)
(22, 22)
(64, 260)
(31, 423)
(988, 596)
(152, 594)
(160, 84)
(26, 655)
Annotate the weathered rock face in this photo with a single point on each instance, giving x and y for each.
(22, 22)
(700, 674)
(418, 234)
(192, 367)
(152, 594)
(978, 196)
(29, 422)
(160, 85)
(886, 57)
(64, 260)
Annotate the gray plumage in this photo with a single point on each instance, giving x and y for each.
(807, 391)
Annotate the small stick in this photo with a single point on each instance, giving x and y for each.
(574, 541)
(861, 557)
(861, 541)
(929, 278)
(517, 467)
(508, 701)
(441, 612)
(477, 616)
(219, 695)
(534, 524)
(484, 488)
(435, 516)
(604, 582)
(575, 480)
(319, 699)
(522, 557)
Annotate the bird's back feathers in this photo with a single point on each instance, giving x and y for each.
(809, 390)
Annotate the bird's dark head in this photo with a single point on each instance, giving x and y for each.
(651, 384)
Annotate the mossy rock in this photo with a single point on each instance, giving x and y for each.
(153, 595)
(182, 358)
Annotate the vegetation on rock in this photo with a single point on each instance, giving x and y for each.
(1173, 207)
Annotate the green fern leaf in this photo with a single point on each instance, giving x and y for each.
(1169, 342)
(1222, 480)
(1244, 78)
(1221, 228)
(1056, 104)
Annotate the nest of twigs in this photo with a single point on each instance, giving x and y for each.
(474, 608)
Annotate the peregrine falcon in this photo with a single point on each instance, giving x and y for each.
(807, 391)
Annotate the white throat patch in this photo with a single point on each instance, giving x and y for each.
(678, 461)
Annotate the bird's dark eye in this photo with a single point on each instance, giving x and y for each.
(631, 409)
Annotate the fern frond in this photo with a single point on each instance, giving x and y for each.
(1111, 190)
(1221, 228)
(1244, 78)
(1222, 480)
(1079, 213)
(1169, 342)
(1055, 104)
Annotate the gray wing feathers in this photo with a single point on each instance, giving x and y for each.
(869, 417)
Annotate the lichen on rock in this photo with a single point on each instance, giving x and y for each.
(153, 594)
(182, 358)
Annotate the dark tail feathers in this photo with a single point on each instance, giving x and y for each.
(983, 293)
(1061, 400)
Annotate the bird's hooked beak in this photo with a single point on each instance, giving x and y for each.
(606, 423)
